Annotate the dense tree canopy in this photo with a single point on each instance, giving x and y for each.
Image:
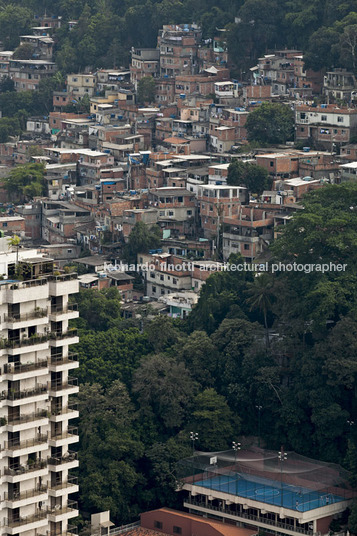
(25, 182)
(270, 123)
(253, 177)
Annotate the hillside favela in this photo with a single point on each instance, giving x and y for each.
(178, 268)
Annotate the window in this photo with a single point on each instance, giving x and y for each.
(177, 530)
(339, 119)
(246, 247)
(324, 118)
(152, 274)
(189, 213)
(157, 524)
(271, 164)
(180, 199)
(154, 292)
(174, 281)
(161, 277)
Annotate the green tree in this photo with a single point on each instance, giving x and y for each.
(6, 84)
(25, 182)
(253, 177)
(260, 295)
(352, 520)
(213, 420)
(141, 239)
(165, 390)
(23, 52)
(14, 21)
(109, 451)
(146, 90)
(271, 123)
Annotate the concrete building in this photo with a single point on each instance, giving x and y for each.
(178, 46)
(27, 74)
(328, 126)
(81, 84)
(144, 62)
(280, 493)
(36, 410)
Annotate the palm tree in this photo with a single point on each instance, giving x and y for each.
(14, 241)
(260, 293)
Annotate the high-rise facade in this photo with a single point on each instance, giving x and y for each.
(36, 385)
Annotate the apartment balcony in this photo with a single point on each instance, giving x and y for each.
(59, 363)
(27, 523)
(64, 414)
(60, 513)
(20, 448)
(67, 461)
(60, 338)
(60, 285)
(24, 396)
(64, 488)
(16, 499)
(26, 421)
(24, 291)
(64, 438)
(18, 371)
(36, 317)
(59, 313)
(20, 473)
(25, 344)
(61, 388)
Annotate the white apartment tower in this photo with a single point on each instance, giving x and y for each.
(35, 387)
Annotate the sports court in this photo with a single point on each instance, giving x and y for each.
(286, 495)
(295, 482)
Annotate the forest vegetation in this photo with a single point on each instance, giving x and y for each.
(284, 341)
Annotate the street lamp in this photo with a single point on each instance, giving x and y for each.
(282, 456)
(259, 408)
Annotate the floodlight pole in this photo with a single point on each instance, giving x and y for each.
(282, 456)
(259, 408)
(236, 446)
(193, 437)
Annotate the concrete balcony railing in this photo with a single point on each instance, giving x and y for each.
(20, 285)
(27, 520)
(19, 445)
(59, 359)
(19, 368)
(23, 469)
(62, 411)
(24, 393)
(69, 483)
(59, 310)
(60, 335)
(63, 277)
(18, 343)
(20, 419)
(61, 385)
(20, 496)
(39, 313)
(71, 432)
(70, 456)
(69, 507)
